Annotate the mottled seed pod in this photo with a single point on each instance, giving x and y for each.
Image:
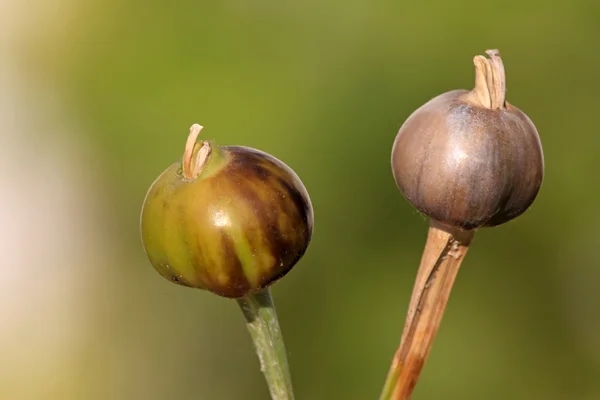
(469, 158)
(231, 220)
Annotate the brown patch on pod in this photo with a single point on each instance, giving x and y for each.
(469, 158)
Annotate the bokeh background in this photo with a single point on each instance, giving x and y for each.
(96, 98)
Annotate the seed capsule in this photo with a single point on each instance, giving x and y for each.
(466, 159)
(231, 220)
(469, 158)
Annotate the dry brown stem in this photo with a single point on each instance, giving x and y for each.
(444, 251)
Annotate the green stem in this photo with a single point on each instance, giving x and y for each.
(390, 384)
(263, 325)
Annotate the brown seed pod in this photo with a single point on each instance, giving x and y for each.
(469, 158)
(466, 159)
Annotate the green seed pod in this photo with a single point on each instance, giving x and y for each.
(231, 220)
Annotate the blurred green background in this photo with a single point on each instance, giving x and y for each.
(97, 99)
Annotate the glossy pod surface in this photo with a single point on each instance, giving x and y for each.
(468, 166)
(235, 229)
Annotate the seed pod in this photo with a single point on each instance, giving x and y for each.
(469, 158)
(231, 220)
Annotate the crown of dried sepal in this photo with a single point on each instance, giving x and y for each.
(231, 220)
(469, 158)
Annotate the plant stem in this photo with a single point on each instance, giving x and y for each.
(263, 325)
(444, 251)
